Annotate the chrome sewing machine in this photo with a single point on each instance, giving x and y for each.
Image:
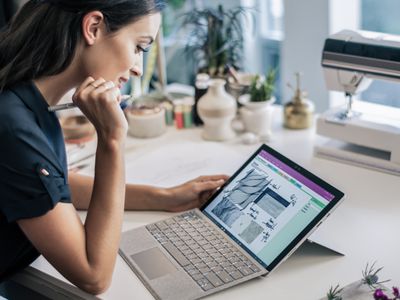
(361, 133)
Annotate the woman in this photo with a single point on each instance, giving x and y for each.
(51, 47)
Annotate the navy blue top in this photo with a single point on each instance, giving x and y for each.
(33, 170)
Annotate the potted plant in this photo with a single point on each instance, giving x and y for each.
(256, 113)
(260, 92)
(216, 39)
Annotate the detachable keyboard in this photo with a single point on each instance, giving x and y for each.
(203, 252)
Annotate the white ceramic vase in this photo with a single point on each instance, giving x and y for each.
(217, 109)
(257, 116)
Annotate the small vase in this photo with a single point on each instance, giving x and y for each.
(257, 116)
(217, 109)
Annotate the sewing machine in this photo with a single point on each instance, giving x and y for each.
(361, 133)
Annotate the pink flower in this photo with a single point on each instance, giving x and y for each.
(396, 292)
(380, 295)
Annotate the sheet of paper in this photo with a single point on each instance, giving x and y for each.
(169, 165)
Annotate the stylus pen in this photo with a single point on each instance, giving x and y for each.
(124, 103)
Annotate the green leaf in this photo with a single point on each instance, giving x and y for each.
(262, 90)
(220, 39)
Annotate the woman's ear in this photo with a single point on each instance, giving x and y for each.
(92, 27)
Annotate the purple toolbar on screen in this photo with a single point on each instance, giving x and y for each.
(296, 175)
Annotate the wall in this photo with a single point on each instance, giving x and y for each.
(307, 24)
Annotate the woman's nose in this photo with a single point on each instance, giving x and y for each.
(137, 71)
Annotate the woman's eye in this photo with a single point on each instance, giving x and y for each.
(141, 49)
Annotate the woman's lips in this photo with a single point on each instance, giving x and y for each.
(122, 81)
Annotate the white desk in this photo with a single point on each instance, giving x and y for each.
(366, 226)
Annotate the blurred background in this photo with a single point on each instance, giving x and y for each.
(286, 35)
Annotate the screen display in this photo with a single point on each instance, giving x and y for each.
(267, 205)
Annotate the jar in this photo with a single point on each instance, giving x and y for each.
(217, 109)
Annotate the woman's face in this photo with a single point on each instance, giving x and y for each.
(118, 55)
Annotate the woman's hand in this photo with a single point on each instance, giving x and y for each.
(99, 101)
(193, 193)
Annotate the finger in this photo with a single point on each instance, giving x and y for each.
(84, 84)
(107, 90)
(88, 86)
(205, 196)
(115, 94)
(213, 177)
(104, 86)
(112, 91)
(209, 185)
(96, 84)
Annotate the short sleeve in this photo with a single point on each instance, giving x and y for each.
(32, 180)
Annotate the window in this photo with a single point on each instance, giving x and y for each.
(262, 43)
(271, 22)
(270, 32)
(262, 53)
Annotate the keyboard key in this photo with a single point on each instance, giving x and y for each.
(217, 269)
(205, 284)
(180, 244)
(214, 279)
(224, 251)
(196, 260)
(189, 241)
(211, 238)
(151, 227)
(236, 275)
(191, 256)
(184, 248)
(174, 239)
(239, 265)
(194, 272)
(213, 264)
(201, 253)
(197, 276)
(246, 270)
(208, 246)
(244, 258)
(204, 270)
(234, 259)
(189, 267)
(230, 269)
(254, 267)
(170, 221)
(225, 264)
(200, 265)
(162, 226)
(211, 251)
(194, 247)
(225, 277)
(208, 260)
(220, 259)
(176, 254)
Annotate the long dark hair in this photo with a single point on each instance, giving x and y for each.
(42, 38)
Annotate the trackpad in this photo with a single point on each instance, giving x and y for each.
(153, 263)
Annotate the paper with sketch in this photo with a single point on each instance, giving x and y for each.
(170, 165)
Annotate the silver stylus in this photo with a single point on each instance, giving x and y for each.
(124, 103)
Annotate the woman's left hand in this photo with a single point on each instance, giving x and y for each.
(193, 193)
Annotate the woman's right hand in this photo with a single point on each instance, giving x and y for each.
(99, 102)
